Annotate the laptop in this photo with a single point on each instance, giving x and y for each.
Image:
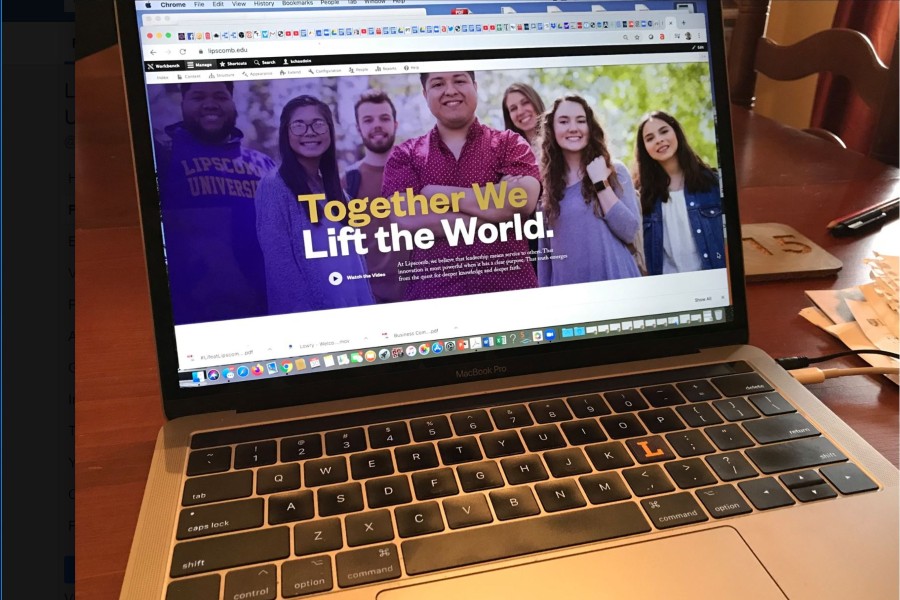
(448, 302)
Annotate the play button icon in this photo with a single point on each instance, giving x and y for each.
(335, 278)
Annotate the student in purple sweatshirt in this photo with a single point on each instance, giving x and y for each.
(207, 183)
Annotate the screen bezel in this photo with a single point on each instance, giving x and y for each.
(407, 375)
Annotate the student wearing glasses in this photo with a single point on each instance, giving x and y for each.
(294, 281)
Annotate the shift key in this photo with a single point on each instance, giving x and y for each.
(225, 551)
(798, 454)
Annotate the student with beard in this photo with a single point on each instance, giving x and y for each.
(376, 122)
(207, 183)
(588, 201)
(296, 282)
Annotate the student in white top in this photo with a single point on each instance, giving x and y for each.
(680, 201)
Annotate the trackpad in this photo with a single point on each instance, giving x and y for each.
(715, 563)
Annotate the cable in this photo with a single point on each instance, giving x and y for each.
(799, 362)
(815, 375)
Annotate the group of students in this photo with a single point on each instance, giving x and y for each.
(557, 156)
(663, 217)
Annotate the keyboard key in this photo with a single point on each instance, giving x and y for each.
(479, 476)
(625, 400)
(345, 441)
(781, 428)
(258, 582)
(226, 517)
(212, 460)
(306, 576)
(388, 491)
(466, 511)
(501, 443)
(645, 481)
(622, 426)
(723, 501)
(427, 429)
(514, 503)
(255, 454)
(661, 420)
(286, 508)
(339, 499)
(771, 404)
(418, 519)
(371, 464)
(662, 395)
(472, 421)
(801, 479)
(507, 417)
(698, 391)
(227, 551)
(196, 588)
(689, 443)
(550, 411)
(367, 565)
(283, 478)
(848, 478)
(811, 493)
(516, 538)
(215, 488)
(728, 437)
(459, 450)
(650, 449)
(731, 466)
(543, 437)
(699, 415)
(673, 510)
(609, 455)
(741, 385)
(562, 494)
(325, 471)
(736, 409)
(604, 487)
(524, 469)
(690, 473)
(434, 484)
(566, 462)
(765, 493)
(301, 447)
(587, 406)
(415, 457)
(386, 435)
(790, 456)
(369, 528)
(583, 431)
(318, 536)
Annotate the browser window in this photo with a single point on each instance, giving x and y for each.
(405, 181)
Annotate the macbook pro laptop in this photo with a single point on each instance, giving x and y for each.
(448, 302)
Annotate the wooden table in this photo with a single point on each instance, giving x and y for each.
(784, 175)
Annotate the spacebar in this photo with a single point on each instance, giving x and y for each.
(515, 538)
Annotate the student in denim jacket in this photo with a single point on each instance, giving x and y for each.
(680, 201)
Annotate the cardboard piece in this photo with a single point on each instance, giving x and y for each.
(776, 251)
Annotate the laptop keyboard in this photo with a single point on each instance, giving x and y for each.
(306, 512)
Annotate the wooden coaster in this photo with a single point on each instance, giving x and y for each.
(776, 251)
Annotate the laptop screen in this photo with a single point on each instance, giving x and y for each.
(349, 184)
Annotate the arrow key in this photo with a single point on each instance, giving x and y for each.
(848, 478)
(765, 493)
(811, 493)
(800, 479)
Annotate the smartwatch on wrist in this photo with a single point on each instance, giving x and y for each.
(600, 185)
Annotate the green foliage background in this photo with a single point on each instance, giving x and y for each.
(620, 95)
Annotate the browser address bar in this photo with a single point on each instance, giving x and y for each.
(212, 17)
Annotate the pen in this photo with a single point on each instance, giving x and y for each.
(864, 219)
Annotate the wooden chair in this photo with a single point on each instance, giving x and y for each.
(843, 52)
